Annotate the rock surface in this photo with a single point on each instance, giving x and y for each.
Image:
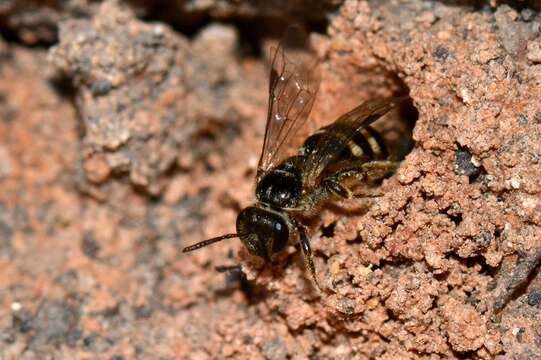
(126, 141)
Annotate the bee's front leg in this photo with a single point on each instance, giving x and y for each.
(307, 254)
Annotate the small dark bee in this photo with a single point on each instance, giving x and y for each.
(291, 188)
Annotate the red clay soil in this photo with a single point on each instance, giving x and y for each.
(126, 141)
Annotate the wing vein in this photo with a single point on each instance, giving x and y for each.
(292, 90)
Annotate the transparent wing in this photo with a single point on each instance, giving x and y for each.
(338, 134)
(294, 81)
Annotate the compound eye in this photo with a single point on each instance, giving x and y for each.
(280, 235)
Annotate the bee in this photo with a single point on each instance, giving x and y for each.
(292, 187)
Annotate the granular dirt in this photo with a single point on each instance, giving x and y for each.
(127, 140)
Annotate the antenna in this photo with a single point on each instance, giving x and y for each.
(204, 243)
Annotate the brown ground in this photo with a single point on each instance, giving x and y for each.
(126, 141)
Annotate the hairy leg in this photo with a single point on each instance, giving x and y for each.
(307, 253)
(357, 174)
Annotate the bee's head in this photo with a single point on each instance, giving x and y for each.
(263, 231)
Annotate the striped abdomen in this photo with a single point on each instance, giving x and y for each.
(364, 144)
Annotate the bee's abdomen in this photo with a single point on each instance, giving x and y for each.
(365, 143)
(375, 142)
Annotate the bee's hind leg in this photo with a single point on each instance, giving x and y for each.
(365, 172)
(364, 195)
(378, 169)
(345, 193)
